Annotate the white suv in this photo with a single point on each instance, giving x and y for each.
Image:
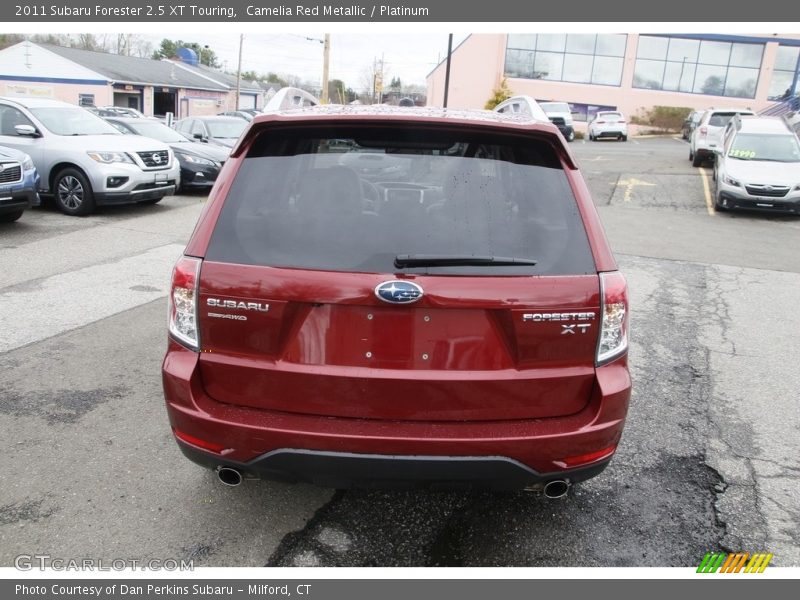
(84, 161)
(757, 166)
(608, 124)
(707, 135)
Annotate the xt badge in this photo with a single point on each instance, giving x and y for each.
(565, 329)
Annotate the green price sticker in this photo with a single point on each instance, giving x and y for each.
(737, 153)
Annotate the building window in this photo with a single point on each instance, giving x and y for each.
(85, 99)
(708, 67)
(577, 58)
(783, 74)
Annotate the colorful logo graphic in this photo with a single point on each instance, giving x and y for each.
(723, 562)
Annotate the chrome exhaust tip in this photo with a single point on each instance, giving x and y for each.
(228, 476)
(557, 488)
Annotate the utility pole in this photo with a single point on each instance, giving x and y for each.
(447, 70)
(326, 59)
(239, 73)
(380, 91)
(374, 77)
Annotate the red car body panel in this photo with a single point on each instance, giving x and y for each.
(248, 433)
(329, 367)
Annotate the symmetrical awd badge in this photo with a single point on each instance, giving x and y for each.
(398, 292)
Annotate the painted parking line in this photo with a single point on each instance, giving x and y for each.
(63, 302)
(707, 191)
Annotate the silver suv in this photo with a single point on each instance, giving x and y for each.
(707, 134)
(757, 166)
(83, 161)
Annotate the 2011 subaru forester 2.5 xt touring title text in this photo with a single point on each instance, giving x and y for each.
(382, 297)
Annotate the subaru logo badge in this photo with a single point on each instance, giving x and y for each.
(398, 292)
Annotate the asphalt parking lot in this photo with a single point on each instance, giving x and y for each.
(708, 460)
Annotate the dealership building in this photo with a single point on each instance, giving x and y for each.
(154, 87)
(626, 72)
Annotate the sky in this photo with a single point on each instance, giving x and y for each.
(407, 56)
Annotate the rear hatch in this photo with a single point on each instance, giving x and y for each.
(400, 273)
(717, 123)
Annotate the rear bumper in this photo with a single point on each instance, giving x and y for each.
(611, 133)
(345, 470)
(350, 451)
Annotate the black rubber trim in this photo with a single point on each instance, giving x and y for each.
(108, 198)
(345, 470)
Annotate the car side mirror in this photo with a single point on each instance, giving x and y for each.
(26, 131)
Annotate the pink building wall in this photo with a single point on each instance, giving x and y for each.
(103, 94)
(478, 63)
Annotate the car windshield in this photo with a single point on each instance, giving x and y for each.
(226, 128)
(72, 121)
(157, 131)
(554, 107)
(380, 200)
(759, 146)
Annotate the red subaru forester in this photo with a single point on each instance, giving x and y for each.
(377, 296)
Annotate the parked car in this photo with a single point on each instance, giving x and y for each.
(219, 131)
(707, 136)
(690, 123)
(200, 163)
(441, 326)
(84, 161)
(560, 115)
(288, 98)
(608, 124)
(19, 184)
(117, 111)
(757, 166)
(524, 105)
(239, 114)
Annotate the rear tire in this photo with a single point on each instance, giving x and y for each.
(10, 217)
(624, 138)
(73, 193)
(571, 136)
(691, 154)
(697, 161)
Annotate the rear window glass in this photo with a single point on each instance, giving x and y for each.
(354, 198)
(721, 119)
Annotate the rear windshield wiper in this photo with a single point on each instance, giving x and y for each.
(445, 260)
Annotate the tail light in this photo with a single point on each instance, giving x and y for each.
(183, 302)
(703, 130)
(613, 340)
